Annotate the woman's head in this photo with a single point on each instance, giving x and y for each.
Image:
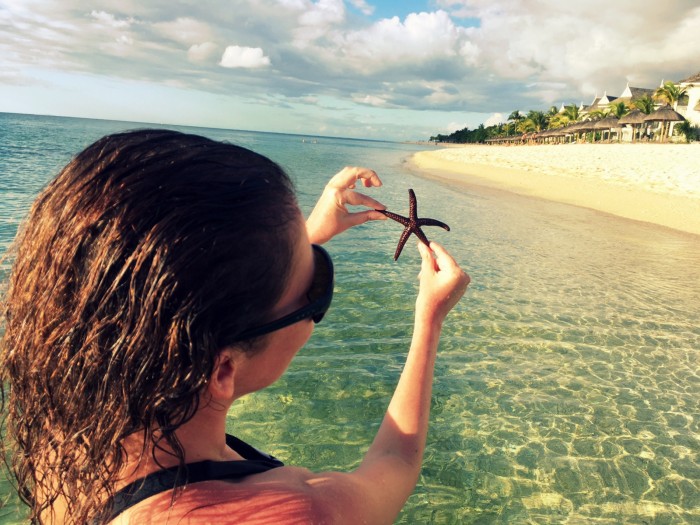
(150, 252)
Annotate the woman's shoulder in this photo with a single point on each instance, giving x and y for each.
(285, 495)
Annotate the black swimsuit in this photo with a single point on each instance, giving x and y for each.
(255, 462)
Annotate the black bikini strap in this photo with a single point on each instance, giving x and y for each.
(172, 478)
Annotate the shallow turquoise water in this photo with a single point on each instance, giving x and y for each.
(567, 386)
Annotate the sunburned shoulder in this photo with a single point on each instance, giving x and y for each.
(284, 496)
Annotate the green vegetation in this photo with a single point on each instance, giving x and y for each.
(669, 93)
(689, 131)
(467, 136)
(535, 121)
(645, 104)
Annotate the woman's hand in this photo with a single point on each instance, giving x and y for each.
(442, 284)
(331, 216)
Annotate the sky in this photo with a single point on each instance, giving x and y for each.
(393, 70)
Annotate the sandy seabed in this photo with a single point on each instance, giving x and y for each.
(655, 183)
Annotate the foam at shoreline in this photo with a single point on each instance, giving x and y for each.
(655, 183)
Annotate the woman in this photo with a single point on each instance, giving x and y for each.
(160, 277)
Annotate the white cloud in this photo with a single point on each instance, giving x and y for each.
(13, 77)
(496, 118)
(110, 20)
(370, 100)
(390, 42)
(524, 54)
(185, 30)
(244, 57)
(323, 13)
(455, 126)
(470, 52)
(580, 44)
(317, 20)
(363, 6)
(297, 5)
(202, 52)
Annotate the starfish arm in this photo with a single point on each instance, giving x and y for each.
(412, 205)
(432, 222)
(398, 218)
(419, 233)
(402, 242)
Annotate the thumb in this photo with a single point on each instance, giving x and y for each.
(427, 261)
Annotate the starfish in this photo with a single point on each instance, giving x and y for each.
(412, 223)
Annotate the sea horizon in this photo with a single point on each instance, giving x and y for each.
(194, 126)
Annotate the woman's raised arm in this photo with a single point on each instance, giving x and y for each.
(378, 489)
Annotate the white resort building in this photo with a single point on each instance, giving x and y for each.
(689, 106)
(596, 123)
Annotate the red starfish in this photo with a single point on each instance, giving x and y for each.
(412, 223)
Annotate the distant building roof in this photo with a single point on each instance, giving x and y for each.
(638, 93)
(606, 99)
(632, 94)
(694, 78)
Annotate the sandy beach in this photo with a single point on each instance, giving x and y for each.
(654, 183)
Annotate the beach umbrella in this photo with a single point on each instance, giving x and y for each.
(664, 115)
(608, 123)
(634, 118)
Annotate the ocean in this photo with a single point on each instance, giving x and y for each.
(567, 386)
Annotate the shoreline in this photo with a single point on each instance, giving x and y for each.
(651, 183)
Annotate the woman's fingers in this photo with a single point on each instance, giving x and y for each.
(442, 282)
(361, 217)
(348, 177)
(360, 199)
(428, 263)
(442, 258)
(331, 216)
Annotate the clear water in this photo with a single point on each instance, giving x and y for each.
(568, 382)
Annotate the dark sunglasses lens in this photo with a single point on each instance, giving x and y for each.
(322, 288)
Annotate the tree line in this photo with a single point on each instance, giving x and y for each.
(536, 121)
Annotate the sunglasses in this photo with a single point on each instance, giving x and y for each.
(319, 296)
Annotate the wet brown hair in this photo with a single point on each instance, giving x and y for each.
(138, 263)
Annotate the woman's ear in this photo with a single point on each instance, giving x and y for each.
(221, 382)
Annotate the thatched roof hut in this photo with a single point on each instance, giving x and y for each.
(608, 122)
(664, 114)
(633, 117)
(586, 125)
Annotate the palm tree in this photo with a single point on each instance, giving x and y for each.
(599, 113)
(645, 104)
(670, 93)
(558, 121)
(691, 132)
(525, 125)
(515, 116)
(566, 117)
(572, 112)
(539, 120)
(619, 109)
